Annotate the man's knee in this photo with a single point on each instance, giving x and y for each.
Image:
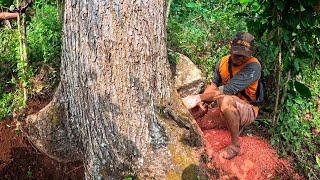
(227, 103)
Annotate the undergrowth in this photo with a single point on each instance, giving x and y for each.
(298, 131)
(44, 47)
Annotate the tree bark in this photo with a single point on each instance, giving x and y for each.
(115, 107)
(50, 133)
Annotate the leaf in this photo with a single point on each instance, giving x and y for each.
(192, 5)
(255, 6)
(286, 37)
(296, 65)
(287, 64)
(302, 89)
(244, 2)
(302, 8)
(280, 5)
(242, 14)
(318, 160)
(12, 7)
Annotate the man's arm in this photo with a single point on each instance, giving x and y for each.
(209, 95)
(249, 74)
(216, 75)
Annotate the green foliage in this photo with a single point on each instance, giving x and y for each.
(295, 133)
(6, 105)
(8, 55)
(18, 132)
(173, 58)
(318, 161)
(44, 47)
(44, 37)
(202, 30)
(302, 89)
(6, 3)
(289, 26)
(29, 174)
(11, 100)
(292, 28)
(128, 178)
(311, 77)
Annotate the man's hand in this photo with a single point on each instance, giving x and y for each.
(191, 101)
(211, 88)
(210, 95)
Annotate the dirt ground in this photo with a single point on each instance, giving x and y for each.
(20, 160)
(257, 160)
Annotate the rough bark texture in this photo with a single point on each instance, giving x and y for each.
(115, 104)
(48, 130)
(188, 77)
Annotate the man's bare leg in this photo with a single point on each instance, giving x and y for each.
(232, 118)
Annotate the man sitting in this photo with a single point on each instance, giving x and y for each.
(234, 87)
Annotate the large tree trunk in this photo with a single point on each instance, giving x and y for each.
(114, 108)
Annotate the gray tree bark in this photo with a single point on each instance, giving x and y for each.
(114, 108)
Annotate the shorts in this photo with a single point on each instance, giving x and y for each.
(246, 111)
(214, 118)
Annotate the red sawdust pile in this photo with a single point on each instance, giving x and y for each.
(257, 160)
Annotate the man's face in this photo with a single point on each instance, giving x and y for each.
(238, 59)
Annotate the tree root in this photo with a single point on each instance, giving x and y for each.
(47, 130)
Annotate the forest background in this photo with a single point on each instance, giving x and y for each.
(287, 44)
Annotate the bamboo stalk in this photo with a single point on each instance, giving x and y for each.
(283, 98)
(21, 21)
(275, 111)
(279, 72)
(285, 89)
(278, 82)
(168, 10)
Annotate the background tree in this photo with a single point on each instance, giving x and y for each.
(115, 91)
